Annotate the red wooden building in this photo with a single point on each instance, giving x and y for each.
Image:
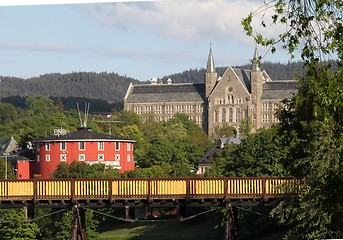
(84, 145)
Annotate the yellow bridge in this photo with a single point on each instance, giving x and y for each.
(146, 192)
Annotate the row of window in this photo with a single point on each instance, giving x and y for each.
(198, 119)
(230, 100)
(169, 109)
(82, 157)
(267, 106)
(82, 146)
(222, 116)
(266, 118)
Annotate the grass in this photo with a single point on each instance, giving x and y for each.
(162, 230)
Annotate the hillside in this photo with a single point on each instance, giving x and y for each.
(106, 86)
(111, 87)
(277, 71)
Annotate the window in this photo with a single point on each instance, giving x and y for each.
(275, 106)
(82, 146)
(82, 157)
(63, 146)
(117, 146)
(47, 158)
(128, 146)
(223, 115)
(265, 118)
(117, 157)
(265, 106)
(100, 145)
(63, 157)
(47, 146)
(230, 115)
(38, 158)
(230, 89)
(238, 115)
(101, 157)
(128, 157)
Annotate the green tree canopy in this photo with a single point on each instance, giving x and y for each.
(311, 125)
(12, 226)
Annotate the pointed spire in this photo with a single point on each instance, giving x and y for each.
(210, 62)
(256, 61)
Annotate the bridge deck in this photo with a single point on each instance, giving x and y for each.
(162, 192)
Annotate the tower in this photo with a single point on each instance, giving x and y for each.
(210, 81)
(256, 90)
(211, 74)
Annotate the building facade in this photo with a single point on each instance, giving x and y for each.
(84, 145)
(240, 94)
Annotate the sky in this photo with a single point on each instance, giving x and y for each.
(140, 39)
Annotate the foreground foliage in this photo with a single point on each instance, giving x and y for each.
(312, 125)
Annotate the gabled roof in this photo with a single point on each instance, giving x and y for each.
(84, 134)
(207, 158)
(280, 89)
(244, 77)
(186, 92)
(8, 145)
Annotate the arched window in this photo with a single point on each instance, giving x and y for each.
(238, 115)
(223, 115)
(230, 115)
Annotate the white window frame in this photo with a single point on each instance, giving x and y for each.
(47, 157)
(38, 158)
(128, 158)
(101, 157)
(128, 147)
(61, 146)
(117, 146)
(82, 157)
(47, 146)
(63, 156)
(101, 146)
(84, 146)
(117, 157)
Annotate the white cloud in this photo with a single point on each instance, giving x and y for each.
(191, 20)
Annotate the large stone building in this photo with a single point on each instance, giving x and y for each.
(238, 94)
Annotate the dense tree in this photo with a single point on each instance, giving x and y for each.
(84, 170)
(221, 160)
(7, 113)
(312, 123)
(314, 26)
(225, 130)
(259, 154)
(12, 226)
(110, 86)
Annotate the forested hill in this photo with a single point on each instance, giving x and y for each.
(276, 71)
(106, 86)
(112, 87)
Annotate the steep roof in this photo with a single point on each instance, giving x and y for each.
(186, 92)
(244, 77)
(279, 89)
(84, 134)
(8, 145)
(207, 158)
(210, 63)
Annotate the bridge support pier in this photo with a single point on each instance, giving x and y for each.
(230, 223)
(78, 225)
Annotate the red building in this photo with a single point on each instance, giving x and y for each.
(84, 145)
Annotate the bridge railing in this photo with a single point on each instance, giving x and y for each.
(163, 188)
